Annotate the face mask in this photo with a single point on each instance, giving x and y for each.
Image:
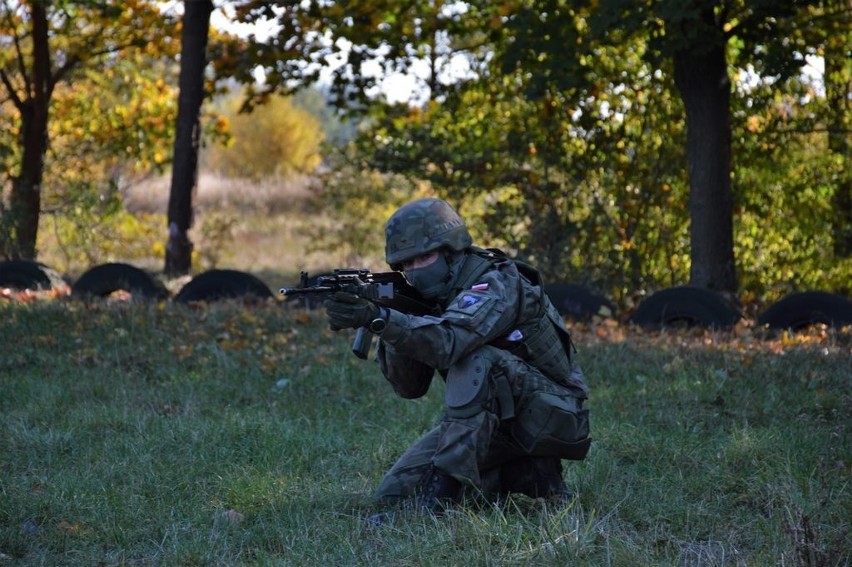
(431, 280)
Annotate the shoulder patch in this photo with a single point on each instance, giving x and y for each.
(468, 307)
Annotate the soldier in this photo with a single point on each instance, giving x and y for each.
(513, 394)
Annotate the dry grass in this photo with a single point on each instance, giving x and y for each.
(264, 227)
(273, 229)
(216, 192)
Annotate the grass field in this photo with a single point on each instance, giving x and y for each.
(230, 434)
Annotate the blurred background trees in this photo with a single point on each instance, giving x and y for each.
(73, 73)
(278, 139)
(616, 143)
(560, 130)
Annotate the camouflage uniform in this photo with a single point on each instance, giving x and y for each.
(501, 347)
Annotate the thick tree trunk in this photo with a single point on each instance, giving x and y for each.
(196, 24)
(701, 77)
(838, 86)
(25, 198)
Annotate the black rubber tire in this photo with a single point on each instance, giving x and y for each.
(214, 285)
(28, 274)
(579, 302)
(692, 306)
(102, 280)
(805, 308)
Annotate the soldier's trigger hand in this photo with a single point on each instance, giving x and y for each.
(348, 311)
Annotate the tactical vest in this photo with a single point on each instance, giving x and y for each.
(538, 335)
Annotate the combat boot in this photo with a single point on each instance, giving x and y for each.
(438, 492)
(537, 477)
(549, 483)
(554, 491)
(434, 494)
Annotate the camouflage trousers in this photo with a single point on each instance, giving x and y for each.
(478, 449)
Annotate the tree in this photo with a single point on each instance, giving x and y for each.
(25, 200)
(701, 76)
(196, 25)
(542, 102)
(359, 43)
(42, 45)
(277, 139)
(697, 36)
(838, 83)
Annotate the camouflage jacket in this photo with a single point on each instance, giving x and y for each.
(495, 303)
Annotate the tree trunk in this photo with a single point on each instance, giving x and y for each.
(25, 198)
(838, 85)
(196, 24)
(701, 77)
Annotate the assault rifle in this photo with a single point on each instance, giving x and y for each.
(390, 289)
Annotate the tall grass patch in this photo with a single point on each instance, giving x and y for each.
(229, 434)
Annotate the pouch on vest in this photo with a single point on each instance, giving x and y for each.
(552, 426)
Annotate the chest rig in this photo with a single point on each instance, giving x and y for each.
(538, 335)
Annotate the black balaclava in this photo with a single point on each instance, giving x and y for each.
(436, 280)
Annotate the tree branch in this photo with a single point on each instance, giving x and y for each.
(10, 88)
(18, 52)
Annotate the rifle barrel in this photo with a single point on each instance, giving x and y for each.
(306, 290)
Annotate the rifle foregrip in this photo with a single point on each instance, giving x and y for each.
(362, 343)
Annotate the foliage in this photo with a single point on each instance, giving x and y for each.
(97, 229)
(216, 230)
(359, 44)
(784, 240)
(138, 433)
(75, 49)
(114, 125)
(564, 140)
(276, 139)
(360, 200)
(571, 181)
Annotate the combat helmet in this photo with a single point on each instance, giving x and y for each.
(423, 226)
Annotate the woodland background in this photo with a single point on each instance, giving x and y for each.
(558, 129)
(246, 433)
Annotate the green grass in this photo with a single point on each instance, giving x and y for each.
(138, 434)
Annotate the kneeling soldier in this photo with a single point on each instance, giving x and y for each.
(514, 397)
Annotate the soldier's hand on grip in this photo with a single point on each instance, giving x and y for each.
(348, 311)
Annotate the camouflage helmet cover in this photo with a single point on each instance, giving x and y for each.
(423, 226)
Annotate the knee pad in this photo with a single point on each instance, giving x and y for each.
(467, 386)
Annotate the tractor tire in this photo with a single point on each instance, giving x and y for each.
(579, 302)
(686, 305)
(214, 285)
(27, 274)
(802, 309)
(102, 280)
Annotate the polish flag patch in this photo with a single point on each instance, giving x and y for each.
(479, 287)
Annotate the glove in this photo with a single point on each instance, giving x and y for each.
(348, 311)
